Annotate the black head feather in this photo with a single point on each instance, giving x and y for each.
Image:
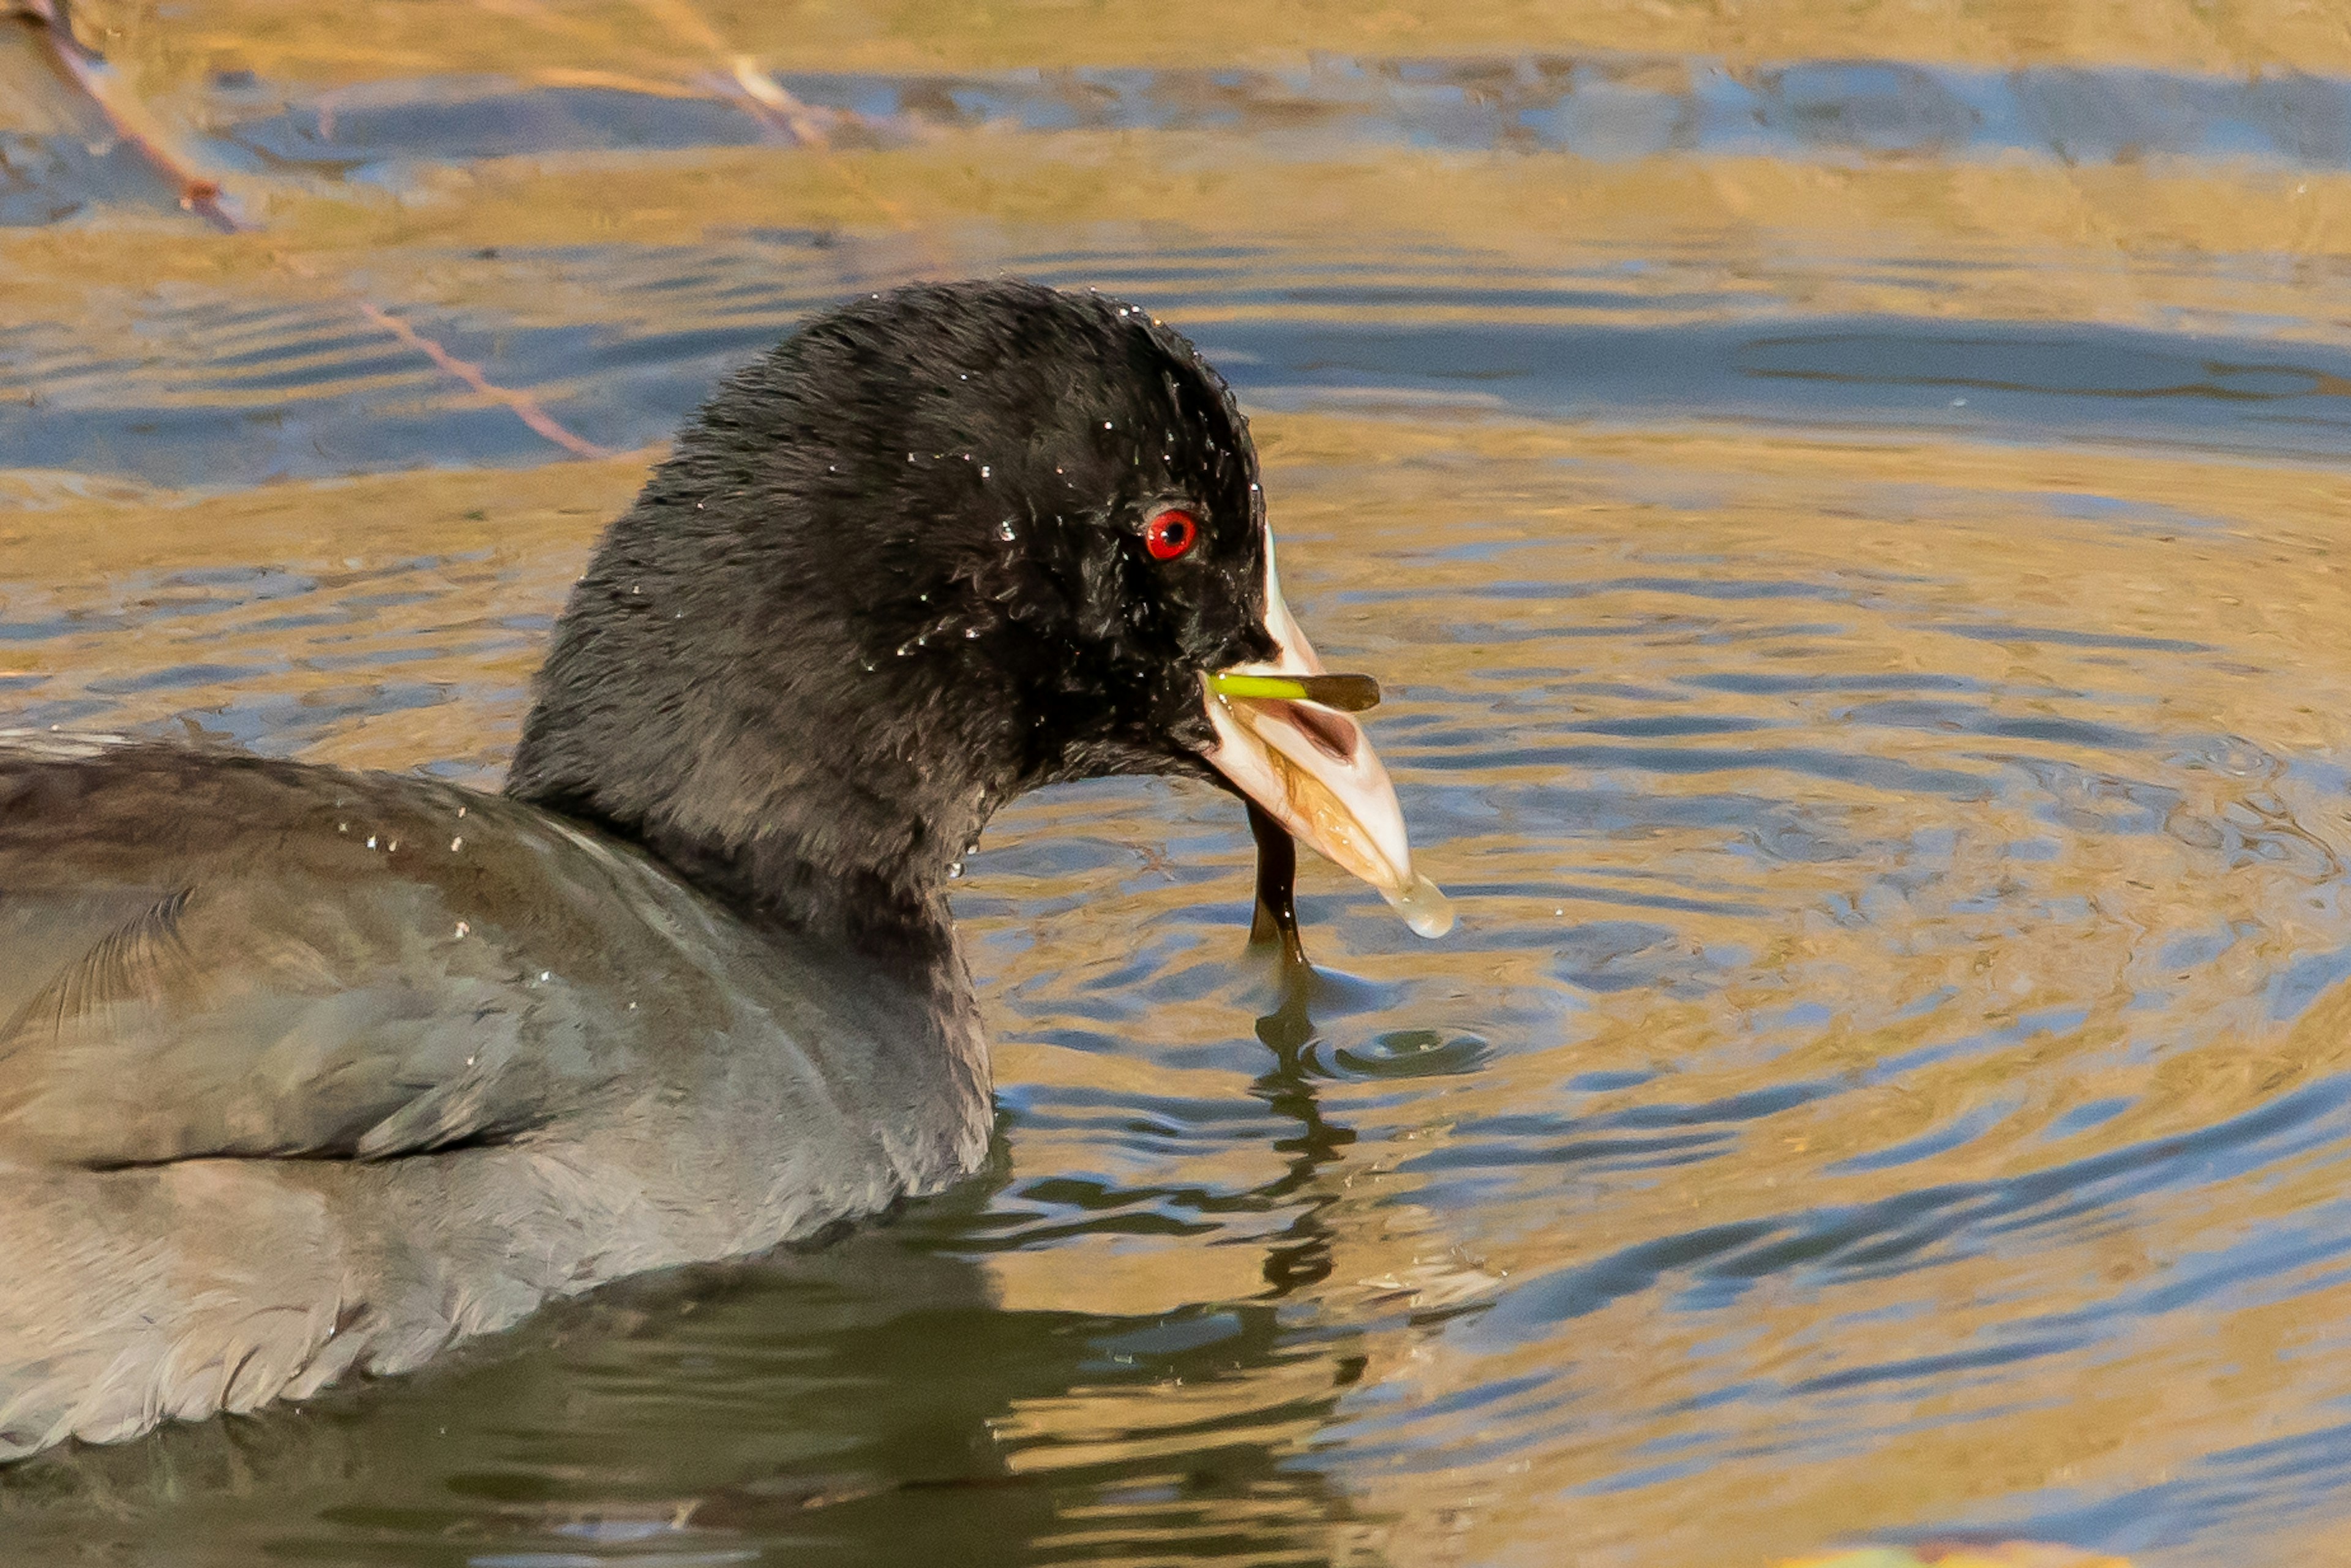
(893, 574)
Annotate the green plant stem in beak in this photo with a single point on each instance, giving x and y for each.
(1347, 693)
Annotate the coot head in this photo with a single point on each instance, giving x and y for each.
(940, 546)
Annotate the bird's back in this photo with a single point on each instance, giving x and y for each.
(302, 1067)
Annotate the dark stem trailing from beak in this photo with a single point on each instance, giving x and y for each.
(1302, 1256)
(1277, 890)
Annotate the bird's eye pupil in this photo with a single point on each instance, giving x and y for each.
(1169, 535)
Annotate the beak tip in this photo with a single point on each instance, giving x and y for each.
(1424, 908)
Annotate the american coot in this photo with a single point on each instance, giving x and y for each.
(304, 1071)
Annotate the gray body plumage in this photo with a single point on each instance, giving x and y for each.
(304, 1071)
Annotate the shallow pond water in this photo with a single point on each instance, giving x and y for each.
(1848, 504)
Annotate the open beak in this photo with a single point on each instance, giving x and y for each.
(1284, 740)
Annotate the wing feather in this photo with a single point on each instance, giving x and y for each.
(206, 957)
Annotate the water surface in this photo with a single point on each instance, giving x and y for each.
(1847, 507)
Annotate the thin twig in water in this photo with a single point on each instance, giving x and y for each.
(775, 110)
(87, 70)
(524, 406)
(768, 101)
(778, 109)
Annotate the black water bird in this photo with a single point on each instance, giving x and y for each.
(304, 1071)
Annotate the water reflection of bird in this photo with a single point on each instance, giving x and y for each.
(310, 1069)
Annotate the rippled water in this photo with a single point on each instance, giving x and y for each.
(1847, 507)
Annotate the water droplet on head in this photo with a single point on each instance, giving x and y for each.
(955, 868)
(462, 928)
(983, 470)
(1004, 529)
(971, 633)
(371, 840)
(456, 844)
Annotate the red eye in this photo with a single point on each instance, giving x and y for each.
(1169, 535)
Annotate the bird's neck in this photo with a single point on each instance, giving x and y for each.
(818, 842)
(819, 796)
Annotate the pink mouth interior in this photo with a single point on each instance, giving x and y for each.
(1330, 734)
